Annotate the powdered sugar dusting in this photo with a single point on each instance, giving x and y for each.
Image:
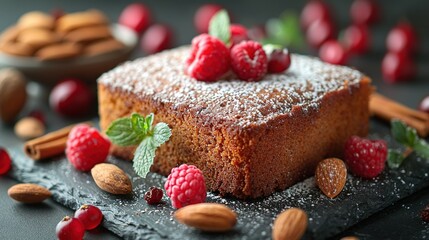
(161, 77)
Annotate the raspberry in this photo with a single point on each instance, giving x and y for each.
(86, 147)
(238, 34)
(153, 196)
(365, 158)
(90, 216)
(209, 58)
(185, 186)
(249, 61)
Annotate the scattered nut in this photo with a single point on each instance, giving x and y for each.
(349, 238)
(28, 193)
(290, 225)
(111, 178)
(29, 128)
(331, 176)
(13, 93)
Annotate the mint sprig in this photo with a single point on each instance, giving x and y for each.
(139, 130)
(219, 26)
(285, 31)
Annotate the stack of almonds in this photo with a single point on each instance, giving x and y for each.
(40, 35)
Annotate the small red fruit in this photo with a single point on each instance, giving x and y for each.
(314, 11)
(70, 229)
(71, 98)
(238, 33)
(319, 32)
(365, 12)
(397, 67)
(203, 16)
(333, 52)
(135, 16)
(157, 37)
(424, 105)
(249, 61)
(257, 33)
(90, 216)
(424, 214)
(278, 60)
(357, 39)
(153, 196)
(402, 39)
(5, 161)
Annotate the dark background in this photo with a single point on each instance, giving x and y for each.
(18, 221)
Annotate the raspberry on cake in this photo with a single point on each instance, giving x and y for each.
(248, 138)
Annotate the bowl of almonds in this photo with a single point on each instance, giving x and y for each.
(81, 44)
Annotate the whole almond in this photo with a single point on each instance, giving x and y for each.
(29, 128)
(290, 224)
(210, 217)
(28, 193)
(13, 93)
(331, 176)
(111, 178)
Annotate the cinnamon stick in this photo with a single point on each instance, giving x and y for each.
(48, 145)
(388, 109)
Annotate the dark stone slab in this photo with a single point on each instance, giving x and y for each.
(131, 218)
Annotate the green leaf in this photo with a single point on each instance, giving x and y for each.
(401, 132)
(285, 31)
(219, 26)
(421, 148)
(121, 133)
(161, 133)
(143, 157)
(394, 158)
(139, 124)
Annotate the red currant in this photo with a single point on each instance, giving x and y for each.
(203, 16)
(313, 11)
(71, 98)
(157, 37)
(356, 39)
(70, 229)
(402, 39)
(396, 67)
(424, 105)
(238, 34)
(365, 12)
(333, 52)
(278, 60)
(319, 32)
(135, 16)
(5, 161)
(90, 216)
(153, 196)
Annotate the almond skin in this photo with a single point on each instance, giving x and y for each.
(331, 176)
(290, 225)
(28, 193)
(210, 217)
(111, 178)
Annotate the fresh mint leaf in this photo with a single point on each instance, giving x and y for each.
(285, 31)
(161, 134)
(399, 132)
(421, 148)
(394, 158)
(143, 157)
(122, 133)
(219, 26)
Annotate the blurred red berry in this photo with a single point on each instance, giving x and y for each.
(397, 67)
(238, 33)
(278, 60)
(203, 16)
(157, 38)
(357, 39)
(135, 16)
(71, 98)
(319, 32)
(402, 39)
(365, 12)
(424, 105)
(333, 52)
(313, 11)
(257, 33)
(5, 161)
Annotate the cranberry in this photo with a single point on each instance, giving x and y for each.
(38, 115)
(238, 33)
(5, 161)
(257, 33)
(424, 105)
(333, 52)
(70, 229)
(402, 38)
(356, 39)
(203, 16)
(157, 37)
(90, 216)
(319, 32)
(396, 67)
(153, 196)
(313, 11)
(71, 98)
(278, 60)
(135, 16)
(365, 12)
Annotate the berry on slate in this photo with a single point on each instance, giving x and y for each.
(156, 38)
(90, 216)
(424, 105)
(153, 196)
(397, 67)
(365, 12)
(365, 158)
(185, 186)
(333, 52)
(70, 229)
(425, 214)
(238, 34)
(313, 11)
(86, 147)
(319, 32)
(278, 60)
(402, 39)
(135, 16)
(203, 16)
(249, 61)
(209, 58)
(5, 161)
(357, 39)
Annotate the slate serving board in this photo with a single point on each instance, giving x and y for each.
(131, 218)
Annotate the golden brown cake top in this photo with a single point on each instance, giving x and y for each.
(161, 77)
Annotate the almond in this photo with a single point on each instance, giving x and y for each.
(13, 93)
(29, 128)
(290, 224)
(210, 217)
(331, 176)
(111, 178)
(28, 193)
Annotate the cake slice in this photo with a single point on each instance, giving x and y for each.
(249, 138)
